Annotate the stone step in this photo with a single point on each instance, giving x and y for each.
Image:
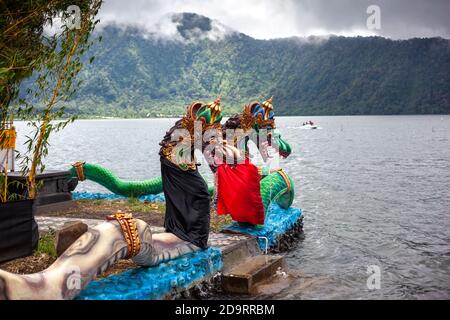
(241, 250)
(243, 278)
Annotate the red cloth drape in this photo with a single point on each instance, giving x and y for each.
(239, 193)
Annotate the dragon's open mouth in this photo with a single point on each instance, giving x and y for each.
(284, 149)
(284, 154)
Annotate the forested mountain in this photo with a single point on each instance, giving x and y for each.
(140, 73)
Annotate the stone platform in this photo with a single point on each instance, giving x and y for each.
(235, 252)
(219, 240)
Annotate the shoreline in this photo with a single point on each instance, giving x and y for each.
(227, 116)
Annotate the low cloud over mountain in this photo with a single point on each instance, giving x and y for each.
(268, 19)
(181, 27)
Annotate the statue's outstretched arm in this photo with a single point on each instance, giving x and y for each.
(92, 254)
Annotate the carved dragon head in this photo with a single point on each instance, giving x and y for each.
(261, 118)
(210, 114)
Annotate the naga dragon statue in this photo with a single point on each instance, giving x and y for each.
(275, 187)
(123, 237)
(256, 123)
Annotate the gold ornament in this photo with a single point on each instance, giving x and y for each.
(79, 169)
(129, 230)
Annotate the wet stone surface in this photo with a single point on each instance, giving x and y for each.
(223, 241)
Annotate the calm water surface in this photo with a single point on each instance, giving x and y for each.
(374, 190)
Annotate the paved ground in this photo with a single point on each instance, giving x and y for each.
(219, 240)
(223, 241)
(56, 223)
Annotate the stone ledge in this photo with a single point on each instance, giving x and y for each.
(243, 278)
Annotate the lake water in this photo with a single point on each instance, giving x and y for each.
(375, 192)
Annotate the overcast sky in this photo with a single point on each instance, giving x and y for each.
(265, 19)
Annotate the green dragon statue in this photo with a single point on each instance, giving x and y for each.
(257, 123)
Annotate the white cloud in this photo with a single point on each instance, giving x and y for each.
(260, 19)
(265, 19)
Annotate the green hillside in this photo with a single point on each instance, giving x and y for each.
(137, 74)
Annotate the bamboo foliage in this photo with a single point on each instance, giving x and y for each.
(53, 61)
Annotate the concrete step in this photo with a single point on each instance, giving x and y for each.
(243, 278)
(242, 250)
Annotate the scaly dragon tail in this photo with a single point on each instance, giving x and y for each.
(110, 181)
(277, 187)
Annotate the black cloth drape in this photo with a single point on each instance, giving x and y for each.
(187, 204)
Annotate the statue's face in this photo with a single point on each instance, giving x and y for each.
(265, 125)
(273, 139)
(266, 120)
(284, 148)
